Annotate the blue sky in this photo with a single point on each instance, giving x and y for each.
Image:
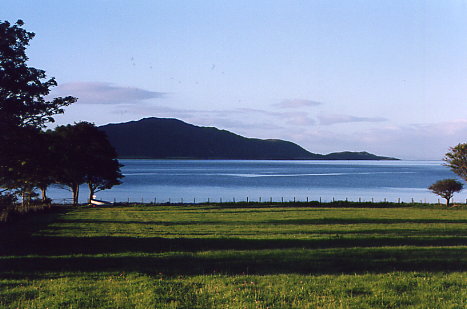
(389, 77)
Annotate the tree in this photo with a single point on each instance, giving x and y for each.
(45, 167)
(22, 162)
(86, 157)
(456, 159)
(24, 110)
(22, 88)
(35, 166)
(104, 176)
(102, 167)
(446, 188)
(70, 144)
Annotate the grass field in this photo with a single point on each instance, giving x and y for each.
(208, 256)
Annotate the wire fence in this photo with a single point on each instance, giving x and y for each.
(265, 200)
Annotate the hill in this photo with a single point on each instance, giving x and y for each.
(165, 138)
(349, 155)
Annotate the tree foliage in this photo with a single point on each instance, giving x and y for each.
(86, 156)
(31, 159)
(23, 88)
(24, 110)
(22, 160)
(446, 188)
(456, 159)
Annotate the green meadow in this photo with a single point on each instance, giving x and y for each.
(218, 256)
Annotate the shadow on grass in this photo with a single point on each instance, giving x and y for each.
(22, 253)
(43, 245)
(23, 228)
(324, 261)
(319, 221)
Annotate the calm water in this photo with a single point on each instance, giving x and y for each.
(190, 180)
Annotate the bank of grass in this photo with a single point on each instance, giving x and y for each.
(261, 256)
(137, 290)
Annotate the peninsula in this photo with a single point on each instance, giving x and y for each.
(167, 138)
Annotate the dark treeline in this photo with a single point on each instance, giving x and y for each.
(32, 159)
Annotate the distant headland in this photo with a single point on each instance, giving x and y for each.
(167, 138)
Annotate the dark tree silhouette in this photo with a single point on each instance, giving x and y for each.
(46, 170)
(102, 167)
(22, 88)
(446, 188)
(86, 157)
(24, 110)
(70, 145)
(19, 158)
(456, 159)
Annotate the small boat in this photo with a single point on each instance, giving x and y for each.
(100, 203)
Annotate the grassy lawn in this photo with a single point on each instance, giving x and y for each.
(226, 257)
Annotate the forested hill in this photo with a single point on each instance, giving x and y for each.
(164, 138)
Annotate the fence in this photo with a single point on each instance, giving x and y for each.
(247, 199)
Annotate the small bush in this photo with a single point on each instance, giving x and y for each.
(7, 200)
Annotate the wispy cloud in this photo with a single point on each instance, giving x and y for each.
(105, 93)
(329, 119)
(298, 119)
(297, 103)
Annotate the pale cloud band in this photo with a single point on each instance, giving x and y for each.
(297, 103)
(105, 93)
(329, 119)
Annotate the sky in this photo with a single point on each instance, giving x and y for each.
(387, 77)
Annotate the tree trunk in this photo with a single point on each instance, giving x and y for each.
(43, 193)
(91, 192)
(26, 197)
(447, 201)
(75, 189)
(23, 199)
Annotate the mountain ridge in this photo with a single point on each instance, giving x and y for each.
(170, 138)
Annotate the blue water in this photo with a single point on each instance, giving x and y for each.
(198, 181)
